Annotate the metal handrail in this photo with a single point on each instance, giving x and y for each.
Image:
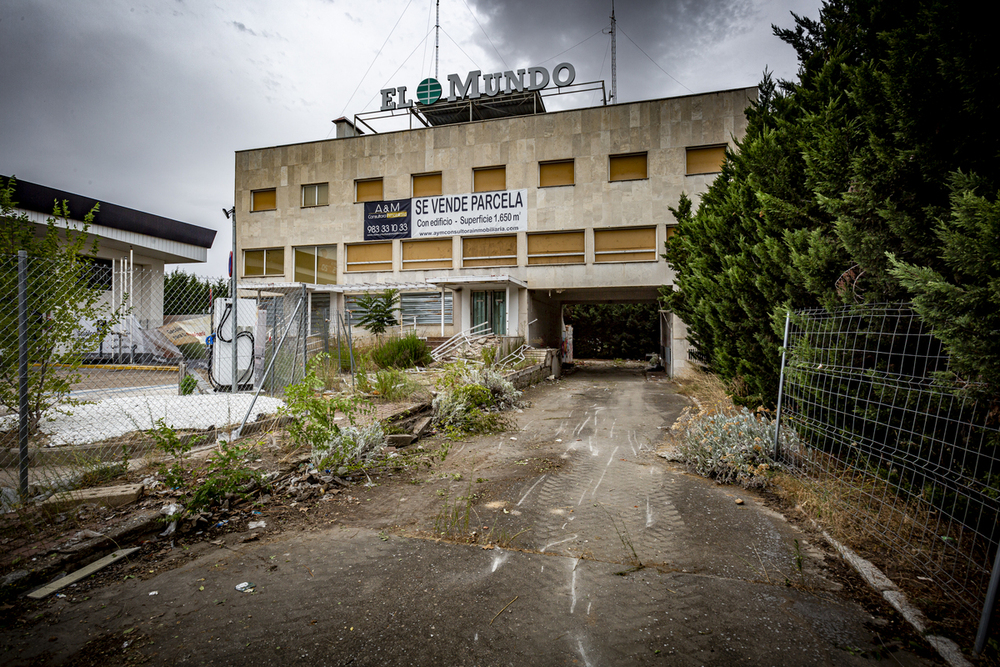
(479, 331)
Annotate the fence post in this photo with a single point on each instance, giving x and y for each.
(305, 329)
(781, 387)
(991, 601)
(22, 369)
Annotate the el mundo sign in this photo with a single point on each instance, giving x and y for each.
(429, 90)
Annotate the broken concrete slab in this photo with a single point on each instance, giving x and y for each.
(421, 426)
(400, 439)
(106, 496)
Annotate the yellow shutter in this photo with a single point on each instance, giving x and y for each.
(489, 251)
(274, 262)
(427, 254)
(707, 160)
(625, 244)
(369, 257)
(555, 173)
(369, 190)
(305, 265)
(556, 248)
(489, 179)
(264, 200)
(628, 167)
(427, 185)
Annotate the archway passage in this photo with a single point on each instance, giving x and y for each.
(614, 330)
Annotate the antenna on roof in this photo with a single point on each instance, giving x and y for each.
(437, 35)
(614, 64)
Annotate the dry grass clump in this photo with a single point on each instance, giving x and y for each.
(707, 390)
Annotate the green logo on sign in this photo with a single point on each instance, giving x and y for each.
(429, 91)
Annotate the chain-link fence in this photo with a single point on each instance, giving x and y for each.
(96, 353)
(910, 450)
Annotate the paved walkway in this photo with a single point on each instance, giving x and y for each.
(626, 561)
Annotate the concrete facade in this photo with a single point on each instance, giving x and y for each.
(664, 130)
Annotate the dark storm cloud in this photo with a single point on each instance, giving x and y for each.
(670, 32)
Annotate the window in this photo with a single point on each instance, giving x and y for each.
(316, 194)
(427, 254)
(671, 230)
(630, 167)
(265, 262)
(625, 244)
(426, 307)
(99, 273)
(427, 185)
(551, 174)
(489, 251)
(489, 179)
(705, 159)
(264, 200)
(316, 264)
(354, 310)
(369, 256)
(555, 248)
(319, 314)
(368, 190)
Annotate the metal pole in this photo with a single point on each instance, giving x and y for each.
(350, 346)
(305, 330)
(131, 305)
(232, 299)
(781, 387)
(991, 601)
(22, 367)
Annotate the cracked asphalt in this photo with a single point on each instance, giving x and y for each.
(622, 558)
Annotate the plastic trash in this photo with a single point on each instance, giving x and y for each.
(246, 587)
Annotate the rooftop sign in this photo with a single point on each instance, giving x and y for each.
(430, 90)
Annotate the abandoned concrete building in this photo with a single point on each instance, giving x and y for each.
(492, 210)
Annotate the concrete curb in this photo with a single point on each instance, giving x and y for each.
(946, 648)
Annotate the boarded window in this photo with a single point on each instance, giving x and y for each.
(625, 244)
(426, 307)
(316, 194)
(671, 230)
(427, 185)
(369, 257)
(489, 251)
(705, 160)
(264, 200)
(551, 174)
(316, 264)
(265, 262)
(628, 167)
(555, 248)
(427, 254)
(489, 179)
(368, 190)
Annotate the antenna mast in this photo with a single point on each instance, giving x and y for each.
(614, 64)
(437, 34)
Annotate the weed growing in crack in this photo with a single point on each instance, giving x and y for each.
(626, 540)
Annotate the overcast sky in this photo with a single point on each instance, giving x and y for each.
(143, 103)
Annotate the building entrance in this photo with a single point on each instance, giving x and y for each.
(490, 307)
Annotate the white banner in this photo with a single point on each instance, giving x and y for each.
(500, 212)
